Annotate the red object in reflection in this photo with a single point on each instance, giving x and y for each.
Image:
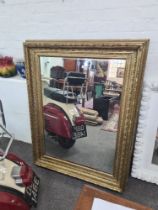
(56, 121)
(79, 120)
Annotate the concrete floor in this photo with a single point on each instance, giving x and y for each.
(97, 150)
(60, 192)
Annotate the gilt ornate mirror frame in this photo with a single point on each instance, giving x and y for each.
(134, 52)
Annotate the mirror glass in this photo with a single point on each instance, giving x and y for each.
(94, 87)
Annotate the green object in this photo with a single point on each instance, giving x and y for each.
(99, 88)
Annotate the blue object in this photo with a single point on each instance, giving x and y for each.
(20, 68)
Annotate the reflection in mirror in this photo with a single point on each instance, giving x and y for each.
(155, 152)
(81, 103)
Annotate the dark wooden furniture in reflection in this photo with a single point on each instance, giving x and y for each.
(88, 193)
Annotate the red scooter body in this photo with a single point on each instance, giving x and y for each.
(61, 115)
(66, 125)
(56, 121)
(13, 199)
(18, 183)
(9, 201)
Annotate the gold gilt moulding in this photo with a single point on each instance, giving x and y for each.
(112, 71)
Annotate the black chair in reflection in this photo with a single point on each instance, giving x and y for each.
(67, 84)
(76, 83)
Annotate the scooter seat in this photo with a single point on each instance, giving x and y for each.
(60, 95)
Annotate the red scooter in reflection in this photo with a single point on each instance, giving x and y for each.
(18, 183)
(62, 117)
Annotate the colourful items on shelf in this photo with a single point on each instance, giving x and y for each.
(7, 67)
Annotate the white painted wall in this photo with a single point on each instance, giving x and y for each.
(79, 19)
(13, 93)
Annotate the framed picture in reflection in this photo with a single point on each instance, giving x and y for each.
(120, 72)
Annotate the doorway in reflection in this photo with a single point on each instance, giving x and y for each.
(81, 105)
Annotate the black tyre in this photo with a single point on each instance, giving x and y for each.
(66, 143)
